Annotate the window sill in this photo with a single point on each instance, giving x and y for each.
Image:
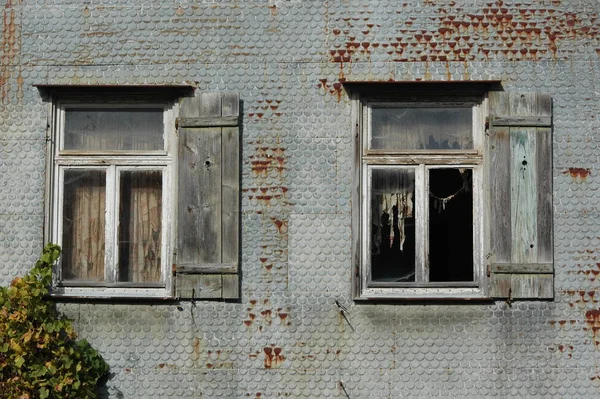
(112, 293)
(419, 293)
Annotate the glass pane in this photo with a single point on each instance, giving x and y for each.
(83, 225)
(109, 129)
(140, 226)
(422, 128)
(392, 225)
(451, 224)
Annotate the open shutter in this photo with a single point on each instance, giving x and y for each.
(208, 197)
(520, 181)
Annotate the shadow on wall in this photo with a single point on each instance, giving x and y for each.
(104, 392)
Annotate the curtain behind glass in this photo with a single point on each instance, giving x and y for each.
(434, 128)
(140, 230)
(114, 129)
(83, 225)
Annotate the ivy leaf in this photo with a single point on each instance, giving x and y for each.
(44, 393)
(19, 361)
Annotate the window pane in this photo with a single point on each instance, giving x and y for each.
(83, 225)
(106, 129)
(422, 128)
(140, 226)
(451, 224)
(392, 225)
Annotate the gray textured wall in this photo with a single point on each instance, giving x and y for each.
(287, 59)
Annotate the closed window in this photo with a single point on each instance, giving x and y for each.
(112, 196)
(143, 192)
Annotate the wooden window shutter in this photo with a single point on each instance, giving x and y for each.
(208, 197)
(520, 262)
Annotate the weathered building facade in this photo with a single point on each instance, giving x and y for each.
(289, 312)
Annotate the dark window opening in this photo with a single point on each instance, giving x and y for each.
(451, 224)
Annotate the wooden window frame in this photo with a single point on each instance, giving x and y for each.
(421, 161)
(113, 162)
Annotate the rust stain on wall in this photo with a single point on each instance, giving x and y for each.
(566, 350)
(196, 349)
(268, 194)
(265, 109)
(9, 53)
(578, 174)
(335, 89)
(218, 359)
(498, 30)
(592, 319)
(590, 271)
(261, 315)
(273, 357)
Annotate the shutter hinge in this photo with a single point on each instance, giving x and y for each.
(489, 270)
(487, 126)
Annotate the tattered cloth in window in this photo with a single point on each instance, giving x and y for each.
(439, 203)
(392, 204)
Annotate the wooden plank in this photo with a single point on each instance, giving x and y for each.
(405, 159)
(208, 212)
(522, 286)
(230, 105)
(190, 107)
(208, 121)
(523, 195)
(199, 216)
(522, 268)
(355, 264)
(499, 198)
(522, 121)
(209, 104)
(207, 268)
(532, 286)
(528, 273)
(545, 220)
(230, 221)
(421, 224)
(529, 104)
(231, 286)
(499, 285)
(199, 286)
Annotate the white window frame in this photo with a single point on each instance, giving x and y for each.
(113, 163)
(420, 161)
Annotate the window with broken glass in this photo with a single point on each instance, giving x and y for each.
(111, 197)
(421, 198)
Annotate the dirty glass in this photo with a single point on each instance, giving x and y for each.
(113, 129)
(140, 226)
(433, 128)
(451, 224)
(392, 235)
(83, 225)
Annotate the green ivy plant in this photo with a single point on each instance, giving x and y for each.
(40, 356)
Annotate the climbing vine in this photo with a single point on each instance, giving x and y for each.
(40, 356)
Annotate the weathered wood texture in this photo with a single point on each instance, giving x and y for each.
(520, 162)
(208, 197)
(208, 121)
(199, 286)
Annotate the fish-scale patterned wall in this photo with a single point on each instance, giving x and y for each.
(288, 60)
